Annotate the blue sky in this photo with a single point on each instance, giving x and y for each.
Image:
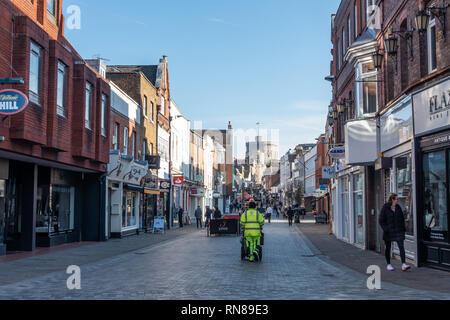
(246, 61)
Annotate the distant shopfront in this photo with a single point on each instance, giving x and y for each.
(432, 132)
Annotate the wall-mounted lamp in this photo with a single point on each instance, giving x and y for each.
(424, 15)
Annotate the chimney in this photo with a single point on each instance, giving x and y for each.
(229, 126)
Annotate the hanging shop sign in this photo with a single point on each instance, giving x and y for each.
(12, 102)
(178, 181)
(164, 185)
(153, 162)
(337, 153)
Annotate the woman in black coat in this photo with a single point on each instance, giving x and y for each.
(392, 221)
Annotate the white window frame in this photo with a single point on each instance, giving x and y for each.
(356, 24)
(359, 88)
(36, 51)
(133, 144)
(432, 24)
(125, 140)
(61, 109)
(116, 135)
(349, 32)
(88, 106)
(103, 120)
(145, 107)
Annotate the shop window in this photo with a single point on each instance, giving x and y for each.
(435, 213)
(358, 208)
(129, 210)
(366, 89)
(55, 209)
(403, 167)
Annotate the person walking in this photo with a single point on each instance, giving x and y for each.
(269, 212)
(180, 216)
(277, 210)
(252, 221)
(217, 213)
(290, 214)
(198, 216)
(208, 215)
(392, 221)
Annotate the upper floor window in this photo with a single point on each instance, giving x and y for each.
(116, 137)
(431, 39)
(151, 111)
(356, 22)
(339, 55)
(145, 106)
(104, 121)
(344, 44)
(125, 140)
(61, 99)
(349, 32)
(366, 89)
(88, 107)
(35, 81)
(144, 149)
(370, 7)
(133, 144)
(163, 105)
(51, 7)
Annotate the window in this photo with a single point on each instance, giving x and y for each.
(125, 140)
(151, 111)
(431, 38)
(151, 149)
(339, 55)
(349, 31)
(366, 89)
(129, 207)
(51, 7)
(116, 136)
(145, 106)
(403, 167)
(356, 22)
(163, 105)
(88, 107)
(61, 108)
(104, 115)
(133, 144)
(35, 85)
(144, 149)
(358, 207)
(344, 45)
(370, 9)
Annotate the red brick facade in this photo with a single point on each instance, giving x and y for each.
(39, 131)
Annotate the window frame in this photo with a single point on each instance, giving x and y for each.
(356, 22)
(61, 110)
(103, 121)
(116, 134)
(36, 50)
(360, 76)
(133, 144)
(125, 140)
(88, 108)
(431, 55)
(145, 103)
(53, 9)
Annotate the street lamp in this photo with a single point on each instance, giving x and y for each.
(335, 115)
(377, 58)
(391, 45)
(423, 17)
(422, 20)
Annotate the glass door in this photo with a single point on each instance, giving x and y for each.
(435, 196)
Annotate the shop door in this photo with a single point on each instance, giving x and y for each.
(435, 207)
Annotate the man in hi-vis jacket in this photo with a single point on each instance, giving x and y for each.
(252, 221)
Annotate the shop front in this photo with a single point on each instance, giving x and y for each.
(432, 134)
(149, 205)
(394, 172)
(124, 194)
(164, 201)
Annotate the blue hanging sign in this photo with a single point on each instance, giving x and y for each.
(12, 102)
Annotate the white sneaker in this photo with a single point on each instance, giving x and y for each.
(390, 267)
(405, 267)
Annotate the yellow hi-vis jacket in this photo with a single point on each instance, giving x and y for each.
(252, 221)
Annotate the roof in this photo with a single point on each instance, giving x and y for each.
(367, 36)
(149, 71)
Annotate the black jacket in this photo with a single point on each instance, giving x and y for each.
(393, 224)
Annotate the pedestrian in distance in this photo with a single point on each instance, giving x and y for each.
(269, 212)
(180, 216)
(392, 221)
(290, 214)
(199, 216)
(217, 213)
(208, 215)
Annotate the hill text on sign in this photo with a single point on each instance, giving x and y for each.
(12, 101)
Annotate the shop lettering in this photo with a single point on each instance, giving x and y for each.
(442, 139)
(11, 105)
(439, 104)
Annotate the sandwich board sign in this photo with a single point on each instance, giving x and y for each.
(158, 224)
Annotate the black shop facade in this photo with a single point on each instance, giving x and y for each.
(432, 136)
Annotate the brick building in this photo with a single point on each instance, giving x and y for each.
(390, 81)
(52, 153)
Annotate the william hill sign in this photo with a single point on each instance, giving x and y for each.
(12, 102)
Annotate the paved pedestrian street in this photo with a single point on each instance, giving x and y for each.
(194, 266)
